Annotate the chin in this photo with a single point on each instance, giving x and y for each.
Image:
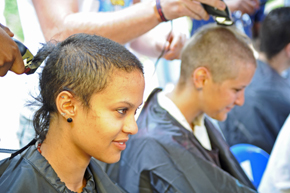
(222, 117)
(111, 160)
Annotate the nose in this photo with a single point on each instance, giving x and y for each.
(130, 127)
(240, 98)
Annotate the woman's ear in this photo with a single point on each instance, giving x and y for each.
(200, 76)
(65, 103)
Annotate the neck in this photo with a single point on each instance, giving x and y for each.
(279, 62)
(66, 160)
(187, 102)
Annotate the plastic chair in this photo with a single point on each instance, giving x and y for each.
(252, 159)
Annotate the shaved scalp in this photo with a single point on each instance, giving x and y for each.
(219, 49)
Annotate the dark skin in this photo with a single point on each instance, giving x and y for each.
(10, 57)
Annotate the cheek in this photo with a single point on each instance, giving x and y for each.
(228, 98)
(110, 127)
(221, 103)
(96, 125)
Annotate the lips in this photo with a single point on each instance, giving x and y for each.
(120, 144)
(229, 108)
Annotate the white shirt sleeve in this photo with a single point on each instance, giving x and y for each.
(277, 174)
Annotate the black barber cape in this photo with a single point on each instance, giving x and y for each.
(266, 107)
(29, 172)
(165, 157)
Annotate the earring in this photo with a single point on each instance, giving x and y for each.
(62, 97)
(69, 120)
(63, 114)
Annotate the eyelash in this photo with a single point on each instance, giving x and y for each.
(125, 109)
(238, 90)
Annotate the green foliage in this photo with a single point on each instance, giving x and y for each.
(12, 19)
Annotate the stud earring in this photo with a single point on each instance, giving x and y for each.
(69, 120)
(200, 88)
(62, 97)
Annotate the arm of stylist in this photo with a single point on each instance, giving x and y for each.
(60, 19)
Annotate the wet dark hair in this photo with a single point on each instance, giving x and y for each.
(82, 64)
(275, 31)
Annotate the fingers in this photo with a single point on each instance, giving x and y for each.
(18, 65)
(173, 9)
(11, 61)
(175, 47)
(257, 4)
(214, 3)
(171, 55)
(7, 30)
(245, 6)
(248, 6)
(195, 10)
(4, 69)
(10, 57)
(160, 46)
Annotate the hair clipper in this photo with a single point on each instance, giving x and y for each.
(27, 56)
(221, 17)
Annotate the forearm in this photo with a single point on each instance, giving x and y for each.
(60, 19)
(169, 37)
(245, 6)
(150, 44)
(121, 26)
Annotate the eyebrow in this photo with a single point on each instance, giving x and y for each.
(241, 87)
(130, 104)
